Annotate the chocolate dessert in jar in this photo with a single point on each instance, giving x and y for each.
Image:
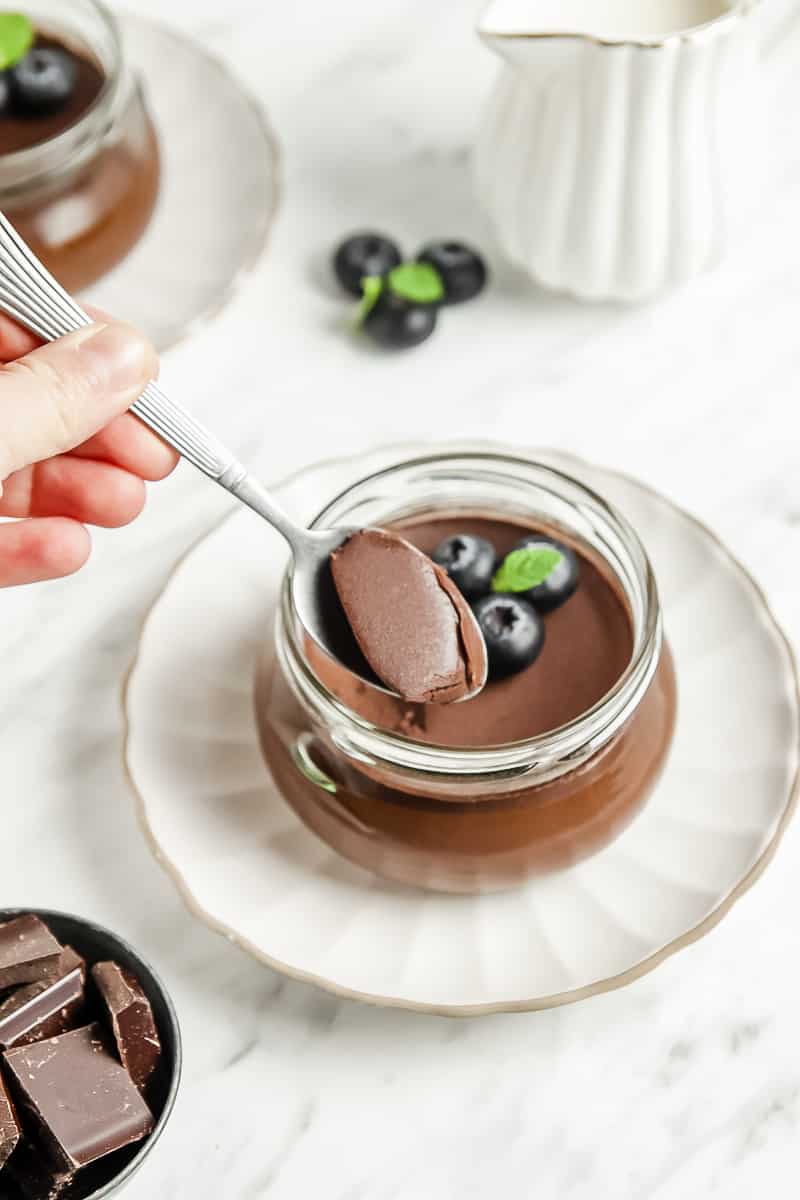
(551, 760)
(79, 161)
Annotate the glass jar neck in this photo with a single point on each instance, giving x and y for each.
(93, 29)
(478, 483)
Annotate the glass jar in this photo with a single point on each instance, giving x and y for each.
(83, 197)
(469, 819)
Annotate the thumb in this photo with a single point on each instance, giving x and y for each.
(61, 394)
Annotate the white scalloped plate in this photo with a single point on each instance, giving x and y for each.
(246, 865)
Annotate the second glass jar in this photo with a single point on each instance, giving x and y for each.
(83, 198)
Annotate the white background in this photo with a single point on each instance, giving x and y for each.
(687, 1083)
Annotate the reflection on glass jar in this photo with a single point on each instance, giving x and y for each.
(80, 184)
(389, 785)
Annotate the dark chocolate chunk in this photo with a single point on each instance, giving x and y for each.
(69, 961)
(42, 1010)
(76, 1100)
(131, 1018)
(28, 952)
(35, 1177)
(9, 1126)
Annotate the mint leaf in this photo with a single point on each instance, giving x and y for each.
(525, 568)
(371, 288)
(16, 38)
(418, 282)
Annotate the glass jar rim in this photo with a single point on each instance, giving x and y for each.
(22, 169)
(547, 754)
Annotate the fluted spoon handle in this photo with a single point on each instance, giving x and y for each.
(30, 294)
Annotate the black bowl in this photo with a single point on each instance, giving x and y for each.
(109, 1176)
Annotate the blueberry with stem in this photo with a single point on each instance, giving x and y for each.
(397, 323)
(562, 580)
(399, 310)
(462, 270)
(362, 255)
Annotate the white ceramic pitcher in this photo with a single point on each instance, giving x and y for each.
(621, 147)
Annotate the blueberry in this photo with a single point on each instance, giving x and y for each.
(513, 632)
(361, 255)
(469, 561)
(462, 270)
(399, 324)
(563, 579)
(42, 81)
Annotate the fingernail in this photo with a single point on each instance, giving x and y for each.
(117, 356)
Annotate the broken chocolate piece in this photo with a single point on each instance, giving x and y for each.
(9, 1126)
(412, 624)
(28, 952)
(69, 961)
(76, 1100)
(42, 1010)
(34, 1176)
(131, 1017)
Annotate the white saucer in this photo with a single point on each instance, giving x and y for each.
(246, 866)
(218, 193)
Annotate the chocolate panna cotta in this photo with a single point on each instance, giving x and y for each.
(411, 623)
(470, 825)
(75, 1060)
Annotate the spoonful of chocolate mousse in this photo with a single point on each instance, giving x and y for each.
(411, 622)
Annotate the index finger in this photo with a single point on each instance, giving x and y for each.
(128, 443)
(16, 341)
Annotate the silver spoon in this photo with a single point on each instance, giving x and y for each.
(31, 296)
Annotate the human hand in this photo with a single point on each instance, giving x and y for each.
(70, 455)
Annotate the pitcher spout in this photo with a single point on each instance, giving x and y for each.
(532, 32)
(510, 28)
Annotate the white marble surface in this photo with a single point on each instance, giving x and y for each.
(685, 1084)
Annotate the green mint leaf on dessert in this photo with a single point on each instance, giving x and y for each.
(418, 282)
(525, 568)
(371, 288)
(16, 38)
